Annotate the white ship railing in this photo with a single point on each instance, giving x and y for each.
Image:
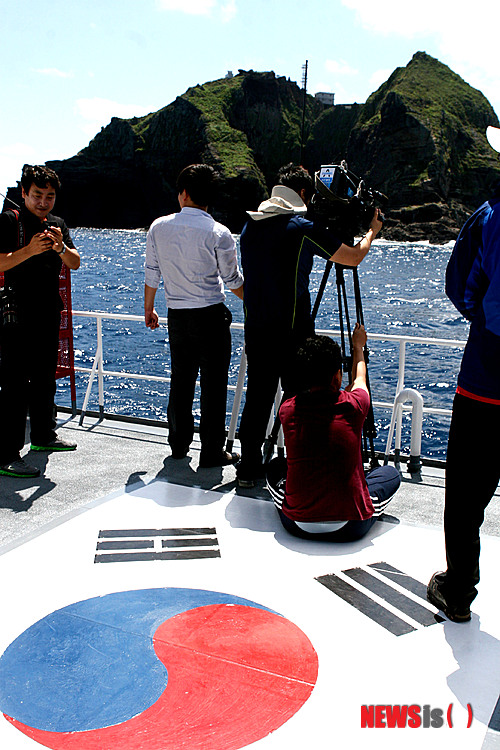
(397, 406)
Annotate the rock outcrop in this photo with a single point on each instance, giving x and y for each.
(420, 139)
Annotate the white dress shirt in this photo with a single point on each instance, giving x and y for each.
(195, 256)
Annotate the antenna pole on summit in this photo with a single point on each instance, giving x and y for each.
(304, 89)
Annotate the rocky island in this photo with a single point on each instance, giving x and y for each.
(420, 139)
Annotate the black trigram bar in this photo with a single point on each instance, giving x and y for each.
(366, 605)
(494, 722)
(404, 580)
(110, 533)
(148, 556)
(406, 605)
(127, 544)
(199, 542)
(133, 545)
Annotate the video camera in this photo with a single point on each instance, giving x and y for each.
(344, 202)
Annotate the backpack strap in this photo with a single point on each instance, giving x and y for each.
(20, 228)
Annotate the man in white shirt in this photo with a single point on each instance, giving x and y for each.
(195, 256)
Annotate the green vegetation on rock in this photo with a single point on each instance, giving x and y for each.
(420, 139)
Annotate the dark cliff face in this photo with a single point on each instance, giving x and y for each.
(420, 139)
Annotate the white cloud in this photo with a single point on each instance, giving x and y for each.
(340, 67)
(225, 9)
(192, 7)
(53, 72)
(466, 36)
(442, 17)
(98, 112)
(228, 11)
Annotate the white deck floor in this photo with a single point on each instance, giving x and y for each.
(376, 639)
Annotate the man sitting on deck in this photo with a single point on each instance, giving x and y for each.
(322, 492)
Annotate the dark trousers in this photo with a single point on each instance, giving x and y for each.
(472, 476)
(383, 482)
(200, 342)
(268, 361)
(28, 363)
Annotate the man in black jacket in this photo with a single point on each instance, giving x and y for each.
(278, 244)
(33, 246)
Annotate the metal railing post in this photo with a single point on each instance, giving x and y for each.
(237, 401)
(97, 363)
(100, 377)
(408, 394)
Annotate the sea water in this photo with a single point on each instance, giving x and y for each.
(402, 292)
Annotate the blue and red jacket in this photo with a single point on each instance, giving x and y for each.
(473, 285)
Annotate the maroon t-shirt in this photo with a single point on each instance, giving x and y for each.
(325, 478)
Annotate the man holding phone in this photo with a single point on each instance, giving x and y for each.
(33, 245)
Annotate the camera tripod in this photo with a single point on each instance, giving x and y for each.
(369, 430)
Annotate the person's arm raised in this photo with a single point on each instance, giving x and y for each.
(359, 338)
(352, 256)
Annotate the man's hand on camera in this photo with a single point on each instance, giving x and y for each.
(151, 319)
(39, 244)
(359, 336)
(54, 234)
(376, 223)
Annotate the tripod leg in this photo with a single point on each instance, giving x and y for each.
(369, 429)
(321, 290)
(342, 303)
(272, 438)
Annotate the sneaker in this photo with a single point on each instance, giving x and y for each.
(19, 468)
(224, 459)
(58, 444)
(453, 612)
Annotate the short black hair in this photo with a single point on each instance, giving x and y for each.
(200, 182)
(318, 359)
(296, 178)
(41, 176)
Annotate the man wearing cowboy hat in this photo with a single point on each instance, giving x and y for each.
(472, 463)
(278, 245)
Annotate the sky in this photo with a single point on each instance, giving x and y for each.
(68, 66)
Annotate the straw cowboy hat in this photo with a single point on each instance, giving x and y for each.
(283, 200)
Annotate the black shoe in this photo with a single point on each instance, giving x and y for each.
(58, 444)
(246, 484)
(455, 613)
(248, 476)
(223, 459)
(19, 468)
(179, 453)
